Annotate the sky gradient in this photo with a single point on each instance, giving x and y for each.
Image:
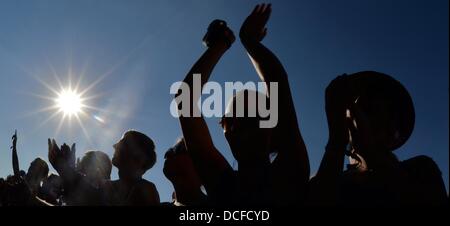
(139, 48)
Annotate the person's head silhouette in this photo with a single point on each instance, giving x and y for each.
(180, 170)
(178, 166)
(37, 172)
(134, 155)
(241, 126)
(96, 165)
(380, 115)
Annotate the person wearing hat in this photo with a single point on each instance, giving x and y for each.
(370, 114)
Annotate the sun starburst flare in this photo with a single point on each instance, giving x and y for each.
(70, 102)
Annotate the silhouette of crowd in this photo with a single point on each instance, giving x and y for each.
(370, 114)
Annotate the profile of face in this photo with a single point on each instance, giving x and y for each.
(134, 154)
(371, 130)
(96, 165)
(381, 118)
(246, 139)
(178, 166)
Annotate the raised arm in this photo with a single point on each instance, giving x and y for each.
(63, 161)
(324, 185)
(76, 186)
(15, 159)
(291, 167)
(207, 159)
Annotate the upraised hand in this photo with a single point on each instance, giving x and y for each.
(254, 27)
(218, 34)
(337, 101)
(61, 158)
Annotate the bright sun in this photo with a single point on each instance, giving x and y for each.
(69, 102)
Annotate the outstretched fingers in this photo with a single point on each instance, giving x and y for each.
(266, 13)
(255, 10)
(262, 9)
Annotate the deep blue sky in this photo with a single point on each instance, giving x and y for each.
(145, 46)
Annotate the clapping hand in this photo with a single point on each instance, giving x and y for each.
(254, 27)
(61, 158)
